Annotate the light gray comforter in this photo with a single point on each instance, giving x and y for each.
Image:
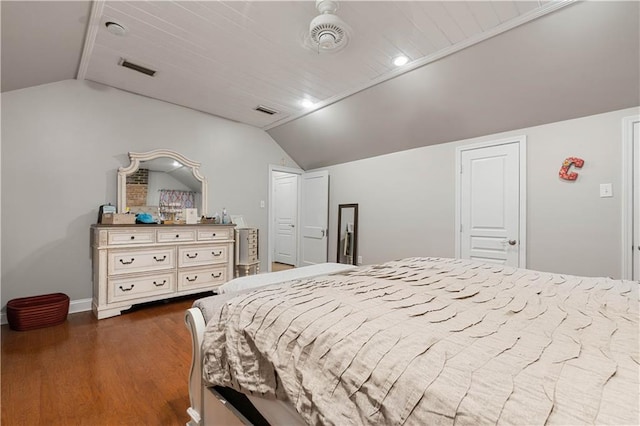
(429, 341)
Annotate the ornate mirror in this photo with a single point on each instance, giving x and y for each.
(161, 181)
(347, 234)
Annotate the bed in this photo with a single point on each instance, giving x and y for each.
(423, 341)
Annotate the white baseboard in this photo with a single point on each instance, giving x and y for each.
(80, 305)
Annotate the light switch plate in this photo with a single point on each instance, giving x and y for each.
(606, 190)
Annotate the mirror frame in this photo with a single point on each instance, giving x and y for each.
(137, 157)
(355, 231)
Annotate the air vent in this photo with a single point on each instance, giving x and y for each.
(266, 110)
(137, 67)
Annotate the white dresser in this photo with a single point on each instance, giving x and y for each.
(142, 263)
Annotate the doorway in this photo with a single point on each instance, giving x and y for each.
(631, 198)
(302, 237)
(491, 202)
(284, 206)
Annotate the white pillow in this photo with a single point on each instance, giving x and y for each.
(260, 280)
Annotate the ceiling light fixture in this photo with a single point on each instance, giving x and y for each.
(307, 103)
(328, 33)
(401, 60)
(115, 28)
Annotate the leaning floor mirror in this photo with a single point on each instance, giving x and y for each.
(348, 234)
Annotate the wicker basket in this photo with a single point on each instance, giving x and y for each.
(28, 313)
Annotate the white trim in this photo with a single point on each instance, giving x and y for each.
(90, 38)
(271, 228)
(551, 6)
(521, 140)
(627, 195)
(75, 306)
(80, 305)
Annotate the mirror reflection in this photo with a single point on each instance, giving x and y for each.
(348, 234)
(163, 187)
(162, 183)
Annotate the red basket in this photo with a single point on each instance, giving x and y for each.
(28, 313)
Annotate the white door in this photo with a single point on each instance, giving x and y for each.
(636, 200)
(285, 199)
(489, 197)
(314, 217)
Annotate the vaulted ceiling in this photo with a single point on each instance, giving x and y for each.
(475, 67)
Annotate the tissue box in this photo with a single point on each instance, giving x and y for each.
(118, 219)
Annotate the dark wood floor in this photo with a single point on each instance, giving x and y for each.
(126, 370)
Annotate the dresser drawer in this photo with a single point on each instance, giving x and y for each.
(133, 236)
(202, 277)
(176, 235)
(141, 260)
(126, 288)
(213, 234)
(202, 255)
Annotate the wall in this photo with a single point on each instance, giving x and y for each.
(407, 199)
(62, 144)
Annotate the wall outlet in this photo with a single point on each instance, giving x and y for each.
(262, 204)
(359, 260)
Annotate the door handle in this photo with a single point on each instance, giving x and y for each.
(292, 225)
(512, 242)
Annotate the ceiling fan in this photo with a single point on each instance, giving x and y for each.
(327, 32)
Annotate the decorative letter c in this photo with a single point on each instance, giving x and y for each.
(566, 164)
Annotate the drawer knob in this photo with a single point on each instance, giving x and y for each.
(127, 289)
(160, 260)
(218, 275)
(192, 280)
(161, 284)
(127, 263)
(177, 235)
(133, 237)
(216, 253)
(192, 257)
(214, 234)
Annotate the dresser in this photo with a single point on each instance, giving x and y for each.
(141, 263)
(247, 251)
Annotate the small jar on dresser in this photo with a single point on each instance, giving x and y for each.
(247, 251)
(141, 263)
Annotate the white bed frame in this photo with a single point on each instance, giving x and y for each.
(203, 398)
(195, 323)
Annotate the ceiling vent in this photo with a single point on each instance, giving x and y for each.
(136, 67)
(266, 110)
(327, 32)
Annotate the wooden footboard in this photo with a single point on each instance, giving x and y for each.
(195, 323)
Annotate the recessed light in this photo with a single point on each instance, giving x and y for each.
(400, 60)
(307, 103)
(115, 28)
